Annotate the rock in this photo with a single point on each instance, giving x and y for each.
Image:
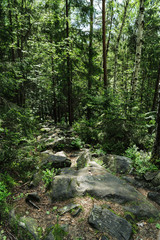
(67, 208)
(156, 180)
(150, 175)
(63, 189)
(106, 221)
(30, 225)
(36, 179)
(104, 238)
(56, 161)
(97, 182)
(61, 143)
(142, 211)
(117, 164)
(50, 236)
(154, 196)
(83, 159)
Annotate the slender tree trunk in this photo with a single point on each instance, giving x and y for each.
(69, 82)
(109, 36)
(104, 42)
(156, 89)
(156, 148)
(11, 31)
(138, 46)
(117, 44)
(90, 69)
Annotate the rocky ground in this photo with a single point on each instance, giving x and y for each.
(85, 201)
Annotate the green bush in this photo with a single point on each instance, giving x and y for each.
(140, 160)
(3, 196)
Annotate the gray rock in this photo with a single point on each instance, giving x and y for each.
(67, 208)
(150, 175)
(118, 164)
(144, 210)
(83, 159)
(50, 236)
(29, 225)
(154, 196)
(61, 143)
(63, 188)
(55, 161)
(106, 221)
(156, 180)
(36, 179)
(97, 182)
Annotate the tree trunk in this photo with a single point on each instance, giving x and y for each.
(69, 82)
(156, 90)
(90, 69)
(138, 46)
(104, 42)
(117, 44)
(156, 148)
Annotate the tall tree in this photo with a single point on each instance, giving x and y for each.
(104, 43)
(139, 42)
(90, 67)
(118, 41)
(156, 148)
(69, 81)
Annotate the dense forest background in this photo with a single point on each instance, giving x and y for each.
(93, 65)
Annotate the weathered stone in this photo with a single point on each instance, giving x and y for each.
(150, 175)
(83, 159)
(36, 179)
(29, 225)
(144, 210)
(63, 189)
(156, 180)
(154, 196)
(106, 221)
(118, 164)
(50, 236)
(97, 182)
(67, 208)
(61, 143)
(56, 161)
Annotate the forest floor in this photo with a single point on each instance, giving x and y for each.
(79, 228)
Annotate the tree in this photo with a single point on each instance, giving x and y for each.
(104, 42)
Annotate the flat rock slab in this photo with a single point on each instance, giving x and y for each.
(118, 164)
(67, 208)
(106, 221)
(97, 182)
(57, 161)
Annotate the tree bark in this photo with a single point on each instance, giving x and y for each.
(138, 46)
(69, 82)
(104, 42)
(156, 148)
(90, 69)
(156, 90)
(117, 44)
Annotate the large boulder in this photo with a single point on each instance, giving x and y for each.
(154, 196)
(58, 160)
(117, 164)
(97, 182)
(106, 221)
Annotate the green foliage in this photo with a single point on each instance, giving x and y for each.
(158, 225)
(140, 160)
(48, 176)
(3, 197)
(76, 144)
